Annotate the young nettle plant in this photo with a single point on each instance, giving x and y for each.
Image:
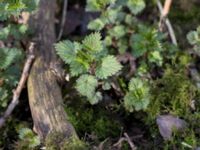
(194, 39)
(91, 63)
(137, 98)
(124, 32)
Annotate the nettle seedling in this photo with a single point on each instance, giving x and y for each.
(193, 38)
(124, 32)
(137, 98)
(91, 63)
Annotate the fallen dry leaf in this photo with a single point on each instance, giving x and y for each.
(168, 123)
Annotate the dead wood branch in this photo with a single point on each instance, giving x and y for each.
(127, 139)
(45, 97)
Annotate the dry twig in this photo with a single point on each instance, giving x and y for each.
(64, 15)
(127, 139)
(163, 19)
(17, 91)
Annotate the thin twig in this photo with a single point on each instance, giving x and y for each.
(17, 91)
(101, 145)
(164, 19)
(133, 147)
(127, 139)
(64, 15)
(119, 142)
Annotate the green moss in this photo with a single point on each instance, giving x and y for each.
(93, 121)
(57, 141)
(172, 94)
(74, 144)
(54, 140)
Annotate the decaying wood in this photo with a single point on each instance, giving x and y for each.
(45, 97)
(20, 86)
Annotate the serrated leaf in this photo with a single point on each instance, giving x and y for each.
(93, 43)
(118, 31)
(155, 57)
(96, 98)
(76, 68)
(8, 56)
(97, 5)
(17, 31)
(146, 40)
(193, 37)
(86, 85)
(138, 96)
(66, 51)
(96, 24)
(136, 6)
(108, 67)
(106, 86)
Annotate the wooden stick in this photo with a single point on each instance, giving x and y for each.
(165, 20)
(166, 8)
(17, 91)
(127, 139)
(64, 15)
(133, 147)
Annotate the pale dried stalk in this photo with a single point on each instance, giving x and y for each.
(163, 19)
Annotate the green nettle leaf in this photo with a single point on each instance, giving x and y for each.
(14, 7)
(193, 37)
(108, 67)
(122, 45)
(26, 134)
(76, 68)
(97, 5)
(96, 98)
(7, 56)
(3, 97)
(96, 24)
(118, 31)
(93, 43)
(106, 86)
(138, 96)
(136, 6)
(108, 41)
(145, 41)
(92, 5)
(155, 57)
(4, 32)
(86, 85)
(112, 14)
(17, 31)
(66, 51)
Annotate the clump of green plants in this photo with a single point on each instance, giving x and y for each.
(27, 140)
(89, 61)
(9, 73)
(193, 38)
(11, 56)
(137, 98)
(10, 8)
(124, 32)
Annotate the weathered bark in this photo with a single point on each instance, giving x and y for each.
(45, 98)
